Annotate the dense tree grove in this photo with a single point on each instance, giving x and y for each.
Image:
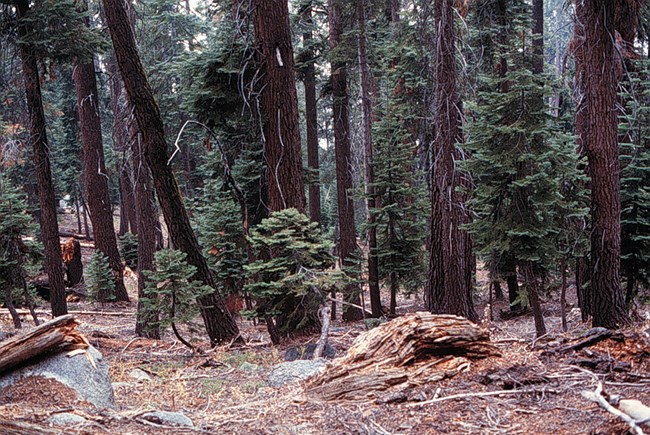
(426, 141)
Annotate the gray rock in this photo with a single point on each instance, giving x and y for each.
(139, 375)
(66, 418)
(168, 418)
(294, 371)
(92, 384)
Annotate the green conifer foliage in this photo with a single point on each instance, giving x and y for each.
(221, 234)
(521, 160)
(99, 278)
(635, 180)
(169, 291)
(16, 253)
(295, 270)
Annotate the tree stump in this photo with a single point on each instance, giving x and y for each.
(411, 350)
(71, 254)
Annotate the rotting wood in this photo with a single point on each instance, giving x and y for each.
(592, 337)
(411, 350)
(22, 428)
(58, 333)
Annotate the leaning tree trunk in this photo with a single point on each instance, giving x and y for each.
(95, 178)
(347, 235)
(366, 111)
(219, 323)
(279, 103)
(447, 284)
(598, 84)
(38, 139)
(311, 120)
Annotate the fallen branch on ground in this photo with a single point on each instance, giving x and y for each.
(596, 396)
(466, 395)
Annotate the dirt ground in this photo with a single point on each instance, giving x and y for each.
(225, 390)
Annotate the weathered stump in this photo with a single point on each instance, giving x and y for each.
(408, 351)
(71, 254)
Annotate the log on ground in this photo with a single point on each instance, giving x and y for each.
(57, 334)
(408, 351)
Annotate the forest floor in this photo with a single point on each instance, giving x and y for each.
(225, 389)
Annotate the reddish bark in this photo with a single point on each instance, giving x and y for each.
(219, 324)
(279, 104)
(38, 139)
(597, 82)
(95, 178)
(347, 234)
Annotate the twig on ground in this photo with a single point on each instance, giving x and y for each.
(466, 395)
(129, 344)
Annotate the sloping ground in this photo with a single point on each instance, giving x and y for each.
(531, 388)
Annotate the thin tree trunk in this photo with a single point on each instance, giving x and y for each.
(38, 139)
(538, 36)
(340, 98)
(599, 85)
(532, 288)
(366, 110)
(563, 294)
(219, 323)
(311, 119)
(95, 178)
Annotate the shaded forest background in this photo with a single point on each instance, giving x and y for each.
(291, 154)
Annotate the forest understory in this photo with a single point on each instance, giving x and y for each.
(226, 389)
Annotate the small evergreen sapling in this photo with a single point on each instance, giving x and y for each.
(129, 249)
(100, 280)
(16, 254)
(294, 272)
(170, 292)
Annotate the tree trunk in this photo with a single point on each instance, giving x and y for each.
(366, 110)
(347, 234)
(219, 323)
(447, 288)
(538, 36)
(279, 104)
(95, 178)
(311, 120)
(598, 83)
(532, 288)
(146, 323)
(38, 139)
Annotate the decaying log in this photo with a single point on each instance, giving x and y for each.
(410, 350)
(22, 428)
(58, 333)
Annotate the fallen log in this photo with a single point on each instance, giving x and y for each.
(58, 333)
(408, 351)
(22, 428)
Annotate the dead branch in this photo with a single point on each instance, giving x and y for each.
(325, 314)
(596, 396)
(466, 395)
(76, 312)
